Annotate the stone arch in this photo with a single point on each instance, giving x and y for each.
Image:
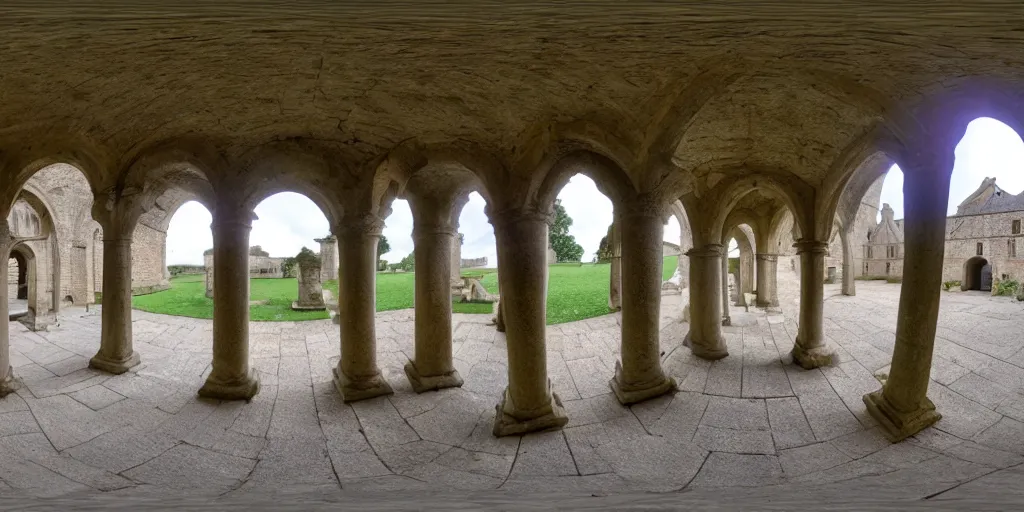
(793, 192)
(28, 282)
(611, 179)
(72, 150)
(973, 278)
(945, 113)
(274, 169)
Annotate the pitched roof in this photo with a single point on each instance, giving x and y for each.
(998, 200)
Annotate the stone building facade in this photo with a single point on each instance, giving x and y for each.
(984, 241)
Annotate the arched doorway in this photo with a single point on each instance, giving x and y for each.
(977, 274)
(23, 303)
(20, 272)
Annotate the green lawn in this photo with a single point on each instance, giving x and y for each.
(575, 292)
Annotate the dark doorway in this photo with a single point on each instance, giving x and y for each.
(977, 274)
(22, 276)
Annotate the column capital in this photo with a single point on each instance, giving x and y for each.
(516, 215)
(644, 207)
(811, 246)
(433, 228)
(368, 224)
(707, 251)
(767, 256)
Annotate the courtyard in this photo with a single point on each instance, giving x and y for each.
(751, 420)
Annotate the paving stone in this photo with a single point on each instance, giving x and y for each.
(681, 417)
(735, 470)
(827, 415)
(736, 413)
(789, 425)
(383, 426)
(449, 423)
(20, 422)
(497, 466)
(960, 416)
(186, 467)
(544, 454)
(861, 443)
(590, 375)
(1005, 435)
(734, 441)
(811, 458)
(121, 450)
(96, 397)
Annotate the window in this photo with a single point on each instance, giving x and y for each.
(1016, 227)
(890, 251)
(981, 248)
(869, 251)
(887, 268)
(1011, 248)
(865, 268)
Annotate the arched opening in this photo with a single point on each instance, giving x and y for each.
(23, 274)
(19, 274)
(579, 276)
(977, 274)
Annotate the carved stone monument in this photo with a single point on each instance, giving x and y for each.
(311, 291)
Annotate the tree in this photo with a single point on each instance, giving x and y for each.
(564, 244)
(383, 247)
(604, 249)
(258, 251)
(408, 263)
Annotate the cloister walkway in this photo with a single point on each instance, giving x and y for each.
(750, 420)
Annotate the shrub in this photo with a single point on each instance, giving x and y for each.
(894, 279)
(1007, 287)
(869, 278)
(947, 285)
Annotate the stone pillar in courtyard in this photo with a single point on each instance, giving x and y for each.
(767, 287)
(118, 219)
(208, 271)
(357, 376)
(328, 258)
(231, 377)
(726, 320)
(705, 337)
(311, 290)
(615, 280)
(527, 404)
(810, 350)
(8, 382)
(435, 237)
(455, 280)
(639, 375)
(902, 406)
(849, 283)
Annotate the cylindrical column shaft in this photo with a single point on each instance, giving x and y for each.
(528, 404)
(639, 375)
(849, 283)
(231, 377)
(116, 354)
(902, 406)
(810, 350)
(766, 280)
(432, 367)
(705, 337)
(725, 286)
(357, 376)
(8, 383)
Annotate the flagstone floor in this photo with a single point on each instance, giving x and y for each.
(752, 420)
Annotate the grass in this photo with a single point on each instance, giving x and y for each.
(669, 267)
(575, 292)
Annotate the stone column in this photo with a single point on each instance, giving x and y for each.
(456, 264)
(528, 404)
(849, 283)
(639, 376)
(116, 354)
(8, 382)
(434, 236)
(810, 350)
(726, 320)
(231, 378)
(767, 293)
(615, 281)
(902, 406)
(705, 337)
(357, 376)
(328, 258)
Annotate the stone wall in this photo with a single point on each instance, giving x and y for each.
(12, 278)
(993, 232)
(474, 262)
(328, 258)
(149, 246)
(265, 267)
(669, 249)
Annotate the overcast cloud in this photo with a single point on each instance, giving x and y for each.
(289, 221)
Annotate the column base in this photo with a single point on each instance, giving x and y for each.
(632, 394)
(506, 424)
(718, 350)
(240, 390)
(9, 384)
(897, 425)
(354, 391)
(813, 358)
(726, 322)
(421, 383)
(117, 367)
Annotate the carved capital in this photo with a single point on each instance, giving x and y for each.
(767, 257)
(644, 207)
(707, 251)
(811, 246)
(516, 215)
(364, 224)
(433, 228)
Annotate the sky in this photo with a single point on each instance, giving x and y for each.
(988, 149)
(288, 221)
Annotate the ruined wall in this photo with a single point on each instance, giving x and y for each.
(148, 269)
(474, 262)
(864, 221)
(12, 278)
